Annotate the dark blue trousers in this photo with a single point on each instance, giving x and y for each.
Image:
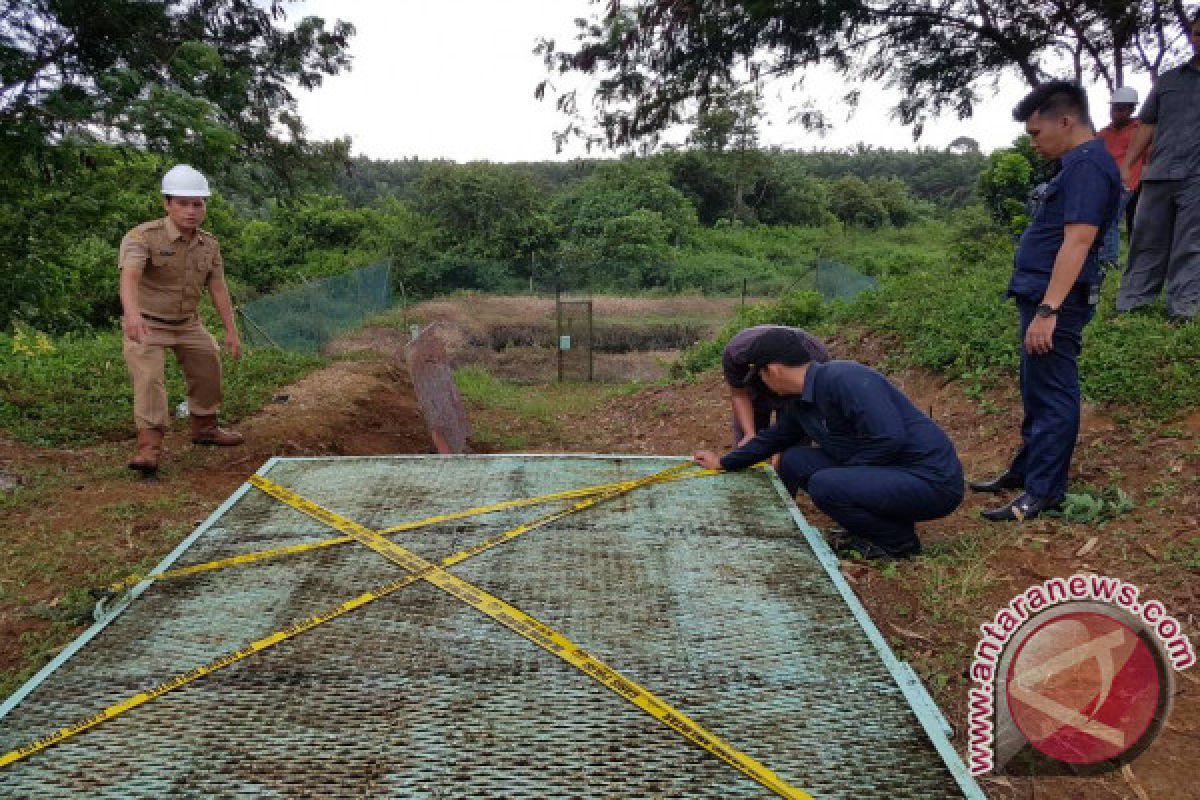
(1051, 399)
(877, 503)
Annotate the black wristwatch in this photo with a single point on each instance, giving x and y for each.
(1046, 310)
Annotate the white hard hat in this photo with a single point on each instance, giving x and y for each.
(1126, 95)
(184, 181)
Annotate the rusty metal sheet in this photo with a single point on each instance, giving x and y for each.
(437, 395)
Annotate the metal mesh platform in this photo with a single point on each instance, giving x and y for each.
(704, 590)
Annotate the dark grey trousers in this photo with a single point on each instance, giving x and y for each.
(1165, 247)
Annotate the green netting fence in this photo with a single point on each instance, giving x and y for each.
(836, 281)
(308, 316)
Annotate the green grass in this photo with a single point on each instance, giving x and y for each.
(1185, 554)
(78, 392)
(554, 407)
(943, 296)
(128, 510)
(540, 403)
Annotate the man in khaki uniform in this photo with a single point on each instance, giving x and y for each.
(165, 265)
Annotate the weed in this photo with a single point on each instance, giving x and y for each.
(1091, 506)
(132, 509)
(38, 647)
(1185, 554)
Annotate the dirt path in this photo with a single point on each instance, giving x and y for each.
(83, 520)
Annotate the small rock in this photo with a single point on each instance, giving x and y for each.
(9, 481)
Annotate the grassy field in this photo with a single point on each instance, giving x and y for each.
(75, 390)
(944, 300)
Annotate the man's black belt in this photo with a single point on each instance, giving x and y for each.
(162, 321)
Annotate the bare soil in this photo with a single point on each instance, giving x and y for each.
(82, 519)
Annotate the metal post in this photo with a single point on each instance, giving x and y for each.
(743, 292)
(558, 328)
(403, 307)
(591, 345)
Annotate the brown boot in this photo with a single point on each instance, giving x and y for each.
(205, 431)
(149, 448)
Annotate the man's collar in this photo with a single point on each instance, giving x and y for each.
(1078, 150)
(173, 232)
(809, 380)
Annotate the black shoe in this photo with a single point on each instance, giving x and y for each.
(1025, 506)
(838, 537)
(1005, 481)
(858, 547)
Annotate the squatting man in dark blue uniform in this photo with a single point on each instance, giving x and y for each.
(1056, 284)
(855, 443)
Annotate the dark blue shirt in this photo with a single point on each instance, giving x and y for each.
(1087, 191)
(858, 418)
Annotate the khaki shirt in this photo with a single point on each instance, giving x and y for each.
(174, 270)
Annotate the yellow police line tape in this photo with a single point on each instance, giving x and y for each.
(262, 555)
(540, 634)
(232, 657)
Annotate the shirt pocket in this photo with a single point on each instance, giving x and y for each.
(160, 260)
(1043, 200)
(200, 266)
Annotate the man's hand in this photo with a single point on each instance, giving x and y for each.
(135, 328)
(1039, 337)
(1126, 178)
(747, 439)
(233, 345)
(707, 459)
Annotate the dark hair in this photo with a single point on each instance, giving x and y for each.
(1053, 98)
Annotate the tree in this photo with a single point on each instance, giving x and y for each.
(97, 95)
(487, 211)
(655, 58)
(962, 145)
(853, 202)
(703, 178)
(1006, 181)
(893, 194)
(786, 195)
(199, 79)
(619, 224)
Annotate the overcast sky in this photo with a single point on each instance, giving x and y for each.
(456, 79)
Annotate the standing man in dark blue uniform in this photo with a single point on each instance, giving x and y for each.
(1056, 284)
(876, 466)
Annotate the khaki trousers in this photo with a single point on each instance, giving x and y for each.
(197, 353)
